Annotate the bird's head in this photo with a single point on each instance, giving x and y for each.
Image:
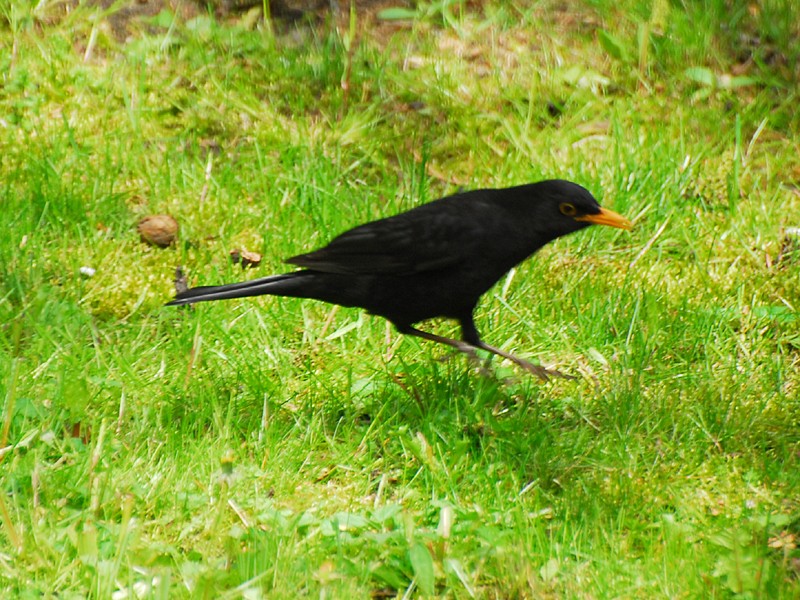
(569, 207)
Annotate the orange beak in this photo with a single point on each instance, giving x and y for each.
(607, 217)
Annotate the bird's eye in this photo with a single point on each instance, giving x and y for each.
(568, 209)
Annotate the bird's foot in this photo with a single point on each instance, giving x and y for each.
(541, 372)
(484, 367)
(481, 366)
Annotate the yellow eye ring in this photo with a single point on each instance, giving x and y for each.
(568, 209)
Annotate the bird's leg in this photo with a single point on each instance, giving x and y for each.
(471, 337)
(459, 345)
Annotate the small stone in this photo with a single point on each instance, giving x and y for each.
(158, 230)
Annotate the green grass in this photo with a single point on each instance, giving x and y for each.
(279, 448)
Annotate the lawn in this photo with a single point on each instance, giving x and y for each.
(284, 448)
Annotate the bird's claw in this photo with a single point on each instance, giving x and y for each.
(541, 372)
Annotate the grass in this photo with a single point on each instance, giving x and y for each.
(282, 448)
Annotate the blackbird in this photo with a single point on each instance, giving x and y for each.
(435, 260)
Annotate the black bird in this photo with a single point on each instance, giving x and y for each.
(435, 260)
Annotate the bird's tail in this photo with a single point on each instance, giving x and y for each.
(275, 285)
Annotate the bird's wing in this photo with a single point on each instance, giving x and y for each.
(413, 242)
